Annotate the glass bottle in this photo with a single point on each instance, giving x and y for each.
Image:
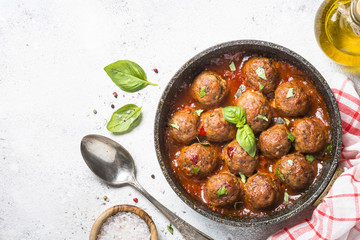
(337, 30)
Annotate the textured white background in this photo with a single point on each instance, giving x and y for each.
(52, 55)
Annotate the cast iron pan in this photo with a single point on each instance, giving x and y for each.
(196, 65)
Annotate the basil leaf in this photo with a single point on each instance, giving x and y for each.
(279, 174)
(202, 92)
(310, 158)
(127, 75)
(198, 112)
(263, 117)
(290, 136)
(286, 197)
(291, 162)
(243, 177)
(261, 87)
(246, 139)
(170, 229)
(232, 66)
(290, 93)
(329, 147)
(235, 115)
(236, 203)
(221, 191)
(196, 169)
(174, 125)
(124, 119)
(260, 71)
(287, 121)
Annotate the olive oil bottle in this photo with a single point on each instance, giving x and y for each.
(337, 30)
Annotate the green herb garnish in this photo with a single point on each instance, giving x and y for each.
(261, 87)
(124, 119)
(238, 92)
(202, 92)
(310, 158)
(290, 93)
(263, 117)
(232, 66)
(286, 197)
(235, 115)
(290, 136)
(279, 174)
(196, 169)
(175, 125)
(243, 177)
(329, 147)
(198, 112)
(221, 191)
(291, 162)
(127, 75)
(236, 203)
(170, 229)
(203, 143)
(287, 121)
(260, 71)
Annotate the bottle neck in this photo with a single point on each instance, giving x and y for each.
(355, 11)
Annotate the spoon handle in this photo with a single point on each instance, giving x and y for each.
(188, 231)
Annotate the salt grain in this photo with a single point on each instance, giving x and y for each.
(124, 225)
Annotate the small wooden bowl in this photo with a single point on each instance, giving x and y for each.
(123, 208)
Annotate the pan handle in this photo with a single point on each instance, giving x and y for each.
(338, 172)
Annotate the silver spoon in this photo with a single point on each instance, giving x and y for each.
(113, 163)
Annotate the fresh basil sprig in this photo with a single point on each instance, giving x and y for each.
(127, 75)
(244, 135)
(124, 119)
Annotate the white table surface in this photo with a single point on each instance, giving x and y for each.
(51, 78)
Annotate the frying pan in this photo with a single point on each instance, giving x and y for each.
(197, 64)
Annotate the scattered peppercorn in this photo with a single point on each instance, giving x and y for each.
(94, 111)
(152, 176)
(115, 94)
(112, 106)
(105, 197)
(156, 70)
(135, 200)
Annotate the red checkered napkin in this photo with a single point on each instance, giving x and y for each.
(338, 216)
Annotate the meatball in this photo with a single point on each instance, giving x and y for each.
(223, 189)
(258, 68)
(238, 160)
(184, 126)
(262, 191)
(309, 136)
(257, 108)
(297, 171)
(215, 127)
(209, 89)
(197, 160)
(274, 142)
(291, 100)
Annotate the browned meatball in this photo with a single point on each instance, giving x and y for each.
(215, 127)
(183, 126)
(262, 191)
(274, 142)
(291, 100)
(309, 136)
(257, 108)
(223, 189)
(253, 69)
(238, 160)
(297, 171)
(209, 89)
(198, 160)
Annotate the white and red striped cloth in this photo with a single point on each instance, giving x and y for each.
(338, 216)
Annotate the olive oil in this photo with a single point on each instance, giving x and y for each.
(337, 30)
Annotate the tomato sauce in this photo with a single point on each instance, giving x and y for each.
(235, 81)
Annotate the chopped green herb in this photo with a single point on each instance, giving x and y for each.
(198, 112)
(290, 136)
(196, 169)
(232, 66)
(290, 93)
(236, 203)
(329, 148)
(202, 92)
(287, 121)
(261, 87)
(263, 117)
(175, 125)
(203, 143)
(260, 71)
(279, 174)
(279, 120)
(286, 197)
(221, 191)
(238, 92)
(170, 229)
(243, 177)
(291, 162)
(310, 158)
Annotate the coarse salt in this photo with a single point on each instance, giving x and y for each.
(124, 226)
